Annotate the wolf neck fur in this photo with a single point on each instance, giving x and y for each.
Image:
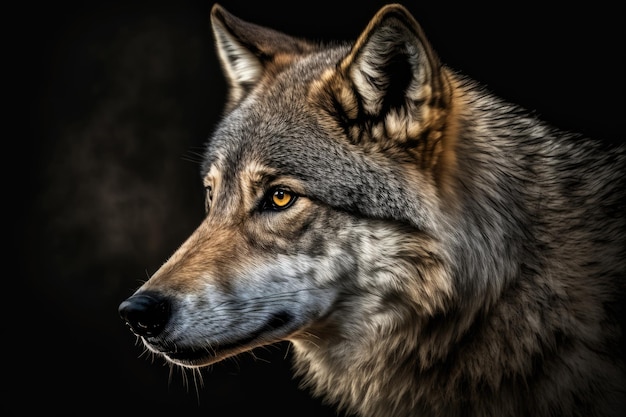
(496, 286)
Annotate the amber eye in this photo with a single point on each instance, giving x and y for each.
(279, 199)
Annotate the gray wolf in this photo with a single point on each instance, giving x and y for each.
(427, 248)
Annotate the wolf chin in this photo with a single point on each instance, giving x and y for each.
(427, 248)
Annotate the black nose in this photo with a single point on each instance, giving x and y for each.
(146, 313)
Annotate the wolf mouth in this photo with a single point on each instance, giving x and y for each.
(196, 356)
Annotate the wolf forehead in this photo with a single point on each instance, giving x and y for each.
(278, 129)
(273, 117)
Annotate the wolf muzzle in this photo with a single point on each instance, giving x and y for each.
(146, 313)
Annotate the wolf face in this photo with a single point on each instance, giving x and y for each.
(390, 218)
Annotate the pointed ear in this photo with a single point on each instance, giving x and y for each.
(248, 51)
(390, 86)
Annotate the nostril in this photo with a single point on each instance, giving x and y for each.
(145, 313)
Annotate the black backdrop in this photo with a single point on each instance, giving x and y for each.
(113, 102)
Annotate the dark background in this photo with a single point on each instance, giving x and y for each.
(109, 104)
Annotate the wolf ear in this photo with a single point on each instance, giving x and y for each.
(390, 82)
(248, 51)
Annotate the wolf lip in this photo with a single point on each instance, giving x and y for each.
(213, 352)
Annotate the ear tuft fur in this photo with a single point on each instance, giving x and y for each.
(390, 88)
(392, 63)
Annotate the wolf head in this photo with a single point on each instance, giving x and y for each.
(321, 180)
